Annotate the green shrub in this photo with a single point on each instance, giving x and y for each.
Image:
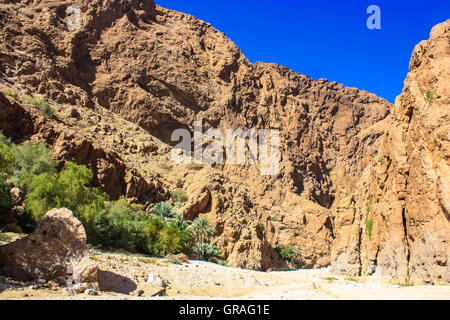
(179, 222)
(223, 263)
(202, 230)
(291, 254)
(5, 140)
(330, 279)
(118, 224)
(207, 252)
(353, 279)
(4, 237)
(69, 189)
(9, 93)
(147, 260)
(42, 104)
(369, 206)
(121, 226)
(6, 163)
(179, 196)
(6, 159)
(429, 98)
(31, 160)
(6, 202)
(172, 240)
(369, 228)
(369, 222)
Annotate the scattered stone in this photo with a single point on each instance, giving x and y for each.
(70, 292)
(80, 287)
(149, 290)
(92, 292)
(155, 280)
(177, 258)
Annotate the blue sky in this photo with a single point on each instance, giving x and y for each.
(326, 39)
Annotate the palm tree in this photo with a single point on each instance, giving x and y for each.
(207, 252)
(179, 222)
(164, 211)
(202, 230)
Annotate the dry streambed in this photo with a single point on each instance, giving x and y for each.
(202, 280)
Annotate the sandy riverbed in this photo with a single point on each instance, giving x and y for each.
(202, 280)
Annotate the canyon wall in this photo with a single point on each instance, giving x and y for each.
(134, 72)
(396, 223)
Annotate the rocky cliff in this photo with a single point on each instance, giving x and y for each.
(134, 72)
(396, 223)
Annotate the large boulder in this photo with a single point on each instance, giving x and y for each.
(57, 245)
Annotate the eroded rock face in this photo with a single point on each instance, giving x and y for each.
(16, 122)
(408, 181)
(305, 225)
(161, 70)
(111, 174)
(58, 242)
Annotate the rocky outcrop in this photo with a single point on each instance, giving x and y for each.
(362, 184)
(16, 121)
(304, 224)
(161, 70)
(171, 69)
(112, 282)
(397, 222)
(111, 174)
(57, 245)
(240, 232)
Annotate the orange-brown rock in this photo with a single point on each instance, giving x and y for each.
(161, 70)
(134, 72)
(110, 172)
(408, 181)
(58, 243)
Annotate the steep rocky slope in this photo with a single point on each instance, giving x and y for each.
(134, 72)
(408, 181)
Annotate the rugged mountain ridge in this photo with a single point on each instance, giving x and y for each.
(134, 72)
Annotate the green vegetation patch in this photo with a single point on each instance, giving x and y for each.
(109, 225)
(148, 260)
(179, 196)
(291, 254)
(369, 222)
(331, 279)
(429, 98)
(4, 237)
(207, 252)
(9, 93)
(42, 104)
